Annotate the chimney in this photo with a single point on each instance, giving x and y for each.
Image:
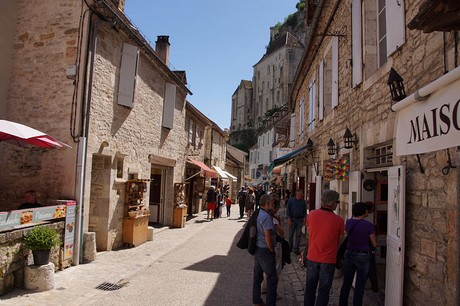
(162, 48)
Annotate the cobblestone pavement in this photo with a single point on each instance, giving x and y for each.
(77, 285)
(294, 278)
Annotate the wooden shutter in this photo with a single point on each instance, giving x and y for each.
(354, 191)
(356, 45)
(395, 25)
(292, 131)
(319, 190)
(321, 90)
(301, 115)
(312, 104)
(335, 71)
(128, 73)
(168, 106)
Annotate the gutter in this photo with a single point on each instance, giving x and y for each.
(423, 93)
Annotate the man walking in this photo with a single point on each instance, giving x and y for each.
(264, 257)
(326, 231)
(296, 211)
(258, 194)
(241, 201)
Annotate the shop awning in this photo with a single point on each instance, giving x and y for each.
(208, 171)
(230, 175)
(285, 158)
(428, 120)
(220, 172)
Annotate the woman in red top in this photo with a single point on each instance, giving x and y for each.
(228, 204)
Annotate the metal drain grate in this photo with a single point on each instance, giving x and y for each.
(108, 286)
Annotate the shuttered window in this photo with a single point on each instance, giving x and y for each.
(357, 50)
(335, 72)
(292, 131)
(321, 90)
(301, 117)
(395, 25)
(312, 104)
(128, 74)
(168, 106)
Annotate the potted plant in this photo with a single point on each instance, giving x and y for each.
(40, 240)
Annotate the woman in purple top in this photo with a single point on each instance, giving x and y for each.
(358, 254)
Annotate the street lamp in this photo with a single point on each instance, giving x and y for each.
(395, 82)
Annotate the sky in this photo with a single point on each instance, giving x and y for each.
(216, 42)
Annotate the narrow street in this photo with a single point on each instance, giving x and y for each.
(195, 265)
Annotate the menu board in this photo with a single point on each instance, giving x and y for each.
(69, 229)
(26, 217)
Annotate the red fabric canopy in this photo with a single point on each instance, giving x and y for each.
(208, 171)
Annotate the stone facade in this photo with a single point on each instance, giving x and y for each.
(110, 143)
(242, 117)
(431, 197)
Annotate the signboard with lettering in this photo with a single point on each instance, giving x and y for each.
(69, 229)
(430, 125)
(27, 217)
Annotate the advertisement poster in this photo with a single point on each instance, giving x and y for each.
(69, 229)
(27, 217)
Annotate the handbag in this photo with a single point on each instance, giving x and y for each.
(342, 249)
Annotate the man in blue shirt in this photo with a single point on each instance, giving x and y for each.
(264, 257)
(296, 211)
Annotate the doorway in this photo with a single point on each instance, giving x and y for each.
(156, 198)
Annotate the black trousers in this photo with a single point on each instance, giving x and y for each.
(241, 210)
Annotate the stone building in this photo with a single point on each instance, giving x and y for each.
(242, 107)
(351, 134)
(86, 76)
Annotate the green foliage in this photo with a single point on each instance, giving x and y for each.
(291, 20)
(272, 111)
(41, 238)
(301, 5)
(247, 138)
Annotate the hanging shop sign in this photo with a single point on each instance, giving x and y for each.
(430, 125)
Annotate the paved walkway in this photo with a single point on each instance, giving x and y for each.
(77, 285)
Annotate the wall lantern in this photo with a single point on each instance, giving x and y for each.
(331, 147)
(395, 82)
(349, 139)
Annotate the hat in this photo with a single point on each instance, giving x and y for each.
(212, 187)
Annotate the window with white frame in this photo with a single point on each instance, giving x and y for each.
(301, 118)
(312, 106)
(328, 85)
(378, 30)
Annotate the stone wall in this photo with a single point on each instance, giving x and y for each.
(430, 250)
(39, 94)
(13, 257)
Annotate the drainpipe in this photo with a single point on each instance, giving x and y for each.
(82, 147)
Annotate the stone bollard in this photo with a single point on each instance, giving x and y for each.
(150, 234)
(89, 247)
(39, 278)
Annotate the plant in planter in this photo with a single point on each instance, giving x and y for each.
(41, 240)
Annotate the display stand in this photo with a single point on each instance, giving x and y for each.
(135, 223)
(180, 209)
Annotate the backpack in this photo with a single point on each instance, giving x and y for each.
(249, 237)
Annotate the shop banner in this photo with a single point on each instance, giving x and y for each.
(27, 217)
(69, 229)
(430, 125)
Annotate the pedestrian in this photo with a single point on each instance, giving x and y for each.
(325, 230)
(241, 199)
(278, 248)
(358, 254)
(276, 197)
(30, 197)
(259, 192)
(249, 202)
(264, 257)
(211, 200)
(220, 204)
(228, 204)
(296, 211)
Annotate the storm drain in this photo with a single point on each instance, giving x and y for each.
(105, 286)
